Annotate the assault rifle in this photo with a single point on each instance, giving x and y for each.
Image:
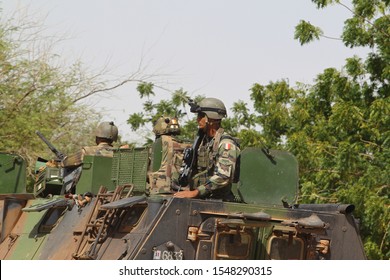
(60, 156)
(190, 160)
(190, 154)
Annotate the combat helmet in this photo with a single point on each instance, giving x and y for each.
(212, 107)
(166, 126)
(107, 130)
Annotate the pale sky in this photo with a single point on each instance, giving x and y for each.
(216, 48)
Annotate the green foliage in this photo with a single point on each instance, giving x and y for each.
(145, 89)
(340, 126)
(39, 92)
(338, 129)
(136, 121)
(356, 33)
(271, 102)
(324, 3)
(305, 32)
(242, 119)
(355, 67)
(174, 107)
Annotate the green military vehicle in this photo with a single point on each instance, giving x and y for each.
(115, 214)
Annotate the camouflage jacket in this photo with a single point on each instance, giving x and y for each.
(217, 160)
(165, 178)
(103, 149)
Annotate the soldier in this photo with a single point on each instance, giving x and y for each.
(106, 133)
(216, 156)
(167, 156)
(166, 126)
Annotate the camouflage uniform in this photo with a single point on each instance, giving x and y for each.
(102, 149)
(217, 158)
(105, 134)
(165, 178)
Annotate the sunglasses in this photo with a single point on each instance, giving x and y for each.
(201, 115)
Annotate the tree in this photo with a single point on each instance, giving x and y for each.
(39, 91)
(339, 127)
(36, 94)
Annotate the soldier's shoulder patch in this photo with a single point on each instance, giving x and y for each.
(227, 146)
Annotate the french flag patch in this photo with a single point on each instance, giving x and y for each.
(228, 146)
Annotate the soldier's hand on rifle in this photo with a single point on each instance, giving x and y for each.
(187, 194)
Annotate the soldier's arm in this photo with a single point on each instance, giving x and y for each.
(73, 160)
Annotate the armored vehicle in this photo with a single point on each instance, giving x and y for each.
(116, 213)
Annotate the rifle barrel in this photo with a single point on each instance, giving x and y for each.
(59, 155)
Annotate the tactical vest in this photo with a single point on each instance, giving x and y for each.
(207, 158)
(205, 163)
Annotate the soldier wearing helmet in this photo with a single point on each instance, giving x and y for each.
(166, 126)
(106, 133)
(216, 156)
(167, 155)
